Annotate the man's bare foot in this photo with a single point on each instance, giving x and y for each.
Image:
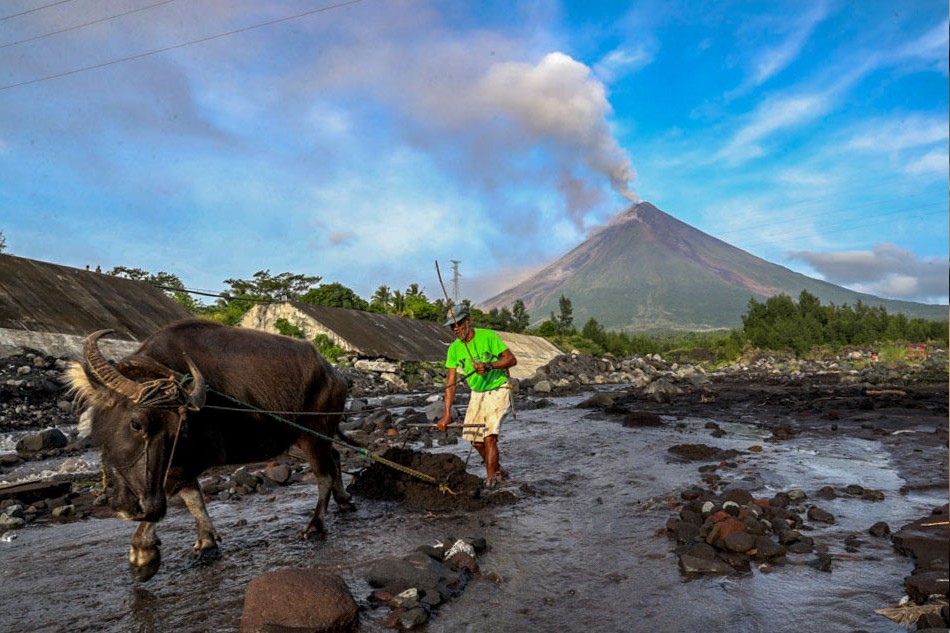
(499, 477)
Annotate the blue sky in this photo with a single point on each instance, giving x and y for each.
(361, 141)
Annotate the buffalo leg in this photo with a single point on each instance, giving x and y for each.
(145, 557)
(208, 537)
(320, 455)
(340, 495)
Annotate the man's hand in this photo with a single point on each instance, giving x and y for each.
(482, 368)
(443, 423)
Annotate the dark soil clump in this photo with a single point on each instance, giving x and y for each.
(383, 482)
(701, 452)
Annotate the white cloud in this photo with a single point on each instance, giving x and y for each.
(776, 58)
(623, 61)
(886, 271)
(900, 133)
(771, 117)
(931, 46)
(933, 163)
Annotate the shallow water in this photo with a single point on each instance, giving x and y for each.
(579, 553)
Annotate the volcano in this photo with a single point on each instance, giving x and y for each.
(648, 271)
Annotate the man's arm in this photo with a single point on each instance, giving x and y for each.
(505, 360)
(449, 399)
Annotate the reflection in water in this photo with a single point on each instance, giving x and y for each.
(579, 552)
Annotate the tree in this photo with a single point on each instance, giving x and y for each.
(168, 283)
(381, 300)
(335, 295)
(564, 322)
(276, 288)
(594, 331)
(519, 317)
(3, 242)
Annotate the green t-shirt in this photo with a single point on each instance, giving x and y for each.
(485, 347)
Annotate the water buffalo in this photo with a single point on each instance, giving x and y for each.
(150, 416)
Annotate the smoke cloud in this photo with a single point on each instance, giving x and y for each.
(559, 100)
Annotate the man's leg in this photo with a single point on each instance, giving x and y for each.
(491, 460)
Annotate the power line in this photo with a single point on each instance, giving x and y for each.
(799, 218)
(85, 24)
(45, 6)
(182, 45)
(808, 234)
(211, 294)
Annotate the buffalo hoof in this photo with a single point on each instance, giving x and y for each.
(206, 556)
(345, 506)
(145, 567)
(313, 533)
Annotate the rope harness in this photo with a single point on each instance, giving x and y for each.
(166, 390)
(365, 453)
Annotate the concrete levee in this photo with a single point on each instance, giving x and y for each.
(52, 308)
(379, 335)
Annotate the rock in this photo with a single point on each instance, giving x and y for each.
(641, 418)
(45, 440)
(543, 386)
(879, 529)
(241, 477)
(414, 617)
(10, 523)
(63, 512)
(662, 391)
(597, 401)
(279, 474)
(739, 542)
(820, 516)
(694, 565)
(398, 574)
(302, 600)
(767, 550)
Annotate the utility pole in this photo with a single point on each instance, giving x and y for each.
(455, 280)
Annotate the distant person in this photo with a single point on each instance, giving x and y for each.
(98, 268)
(483, 358)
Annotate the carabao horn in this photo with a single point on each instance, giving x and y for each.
(104, 372)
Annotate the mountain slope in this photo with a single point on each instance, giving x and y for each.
(649, 271)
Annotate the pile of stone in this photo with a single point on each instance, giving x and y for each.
(28, 503)
(569, 373)
(726, 533)
(414, 586)
(32, 394)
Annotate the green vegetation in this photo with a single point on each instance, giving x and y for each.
(263, 288)
(287, 328)
(168, 283)
(327, 348)
(779, 324)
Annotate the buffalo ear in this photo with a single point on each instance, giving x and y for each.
(83, 385)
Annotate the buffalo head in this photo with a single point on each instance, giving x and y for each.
(136, 411)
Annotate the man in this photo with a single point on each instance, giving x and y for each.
(483, 358)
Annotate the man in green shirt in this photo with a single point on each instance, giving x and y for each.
(483, 357)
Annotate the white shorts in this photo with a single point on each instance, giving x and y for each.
(487, 410)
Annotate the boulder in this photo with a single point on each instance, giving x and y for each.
(45, 440)
(302, 600)
(398, 574)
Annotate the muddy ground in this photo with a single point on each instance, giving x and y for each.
(910, 421)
